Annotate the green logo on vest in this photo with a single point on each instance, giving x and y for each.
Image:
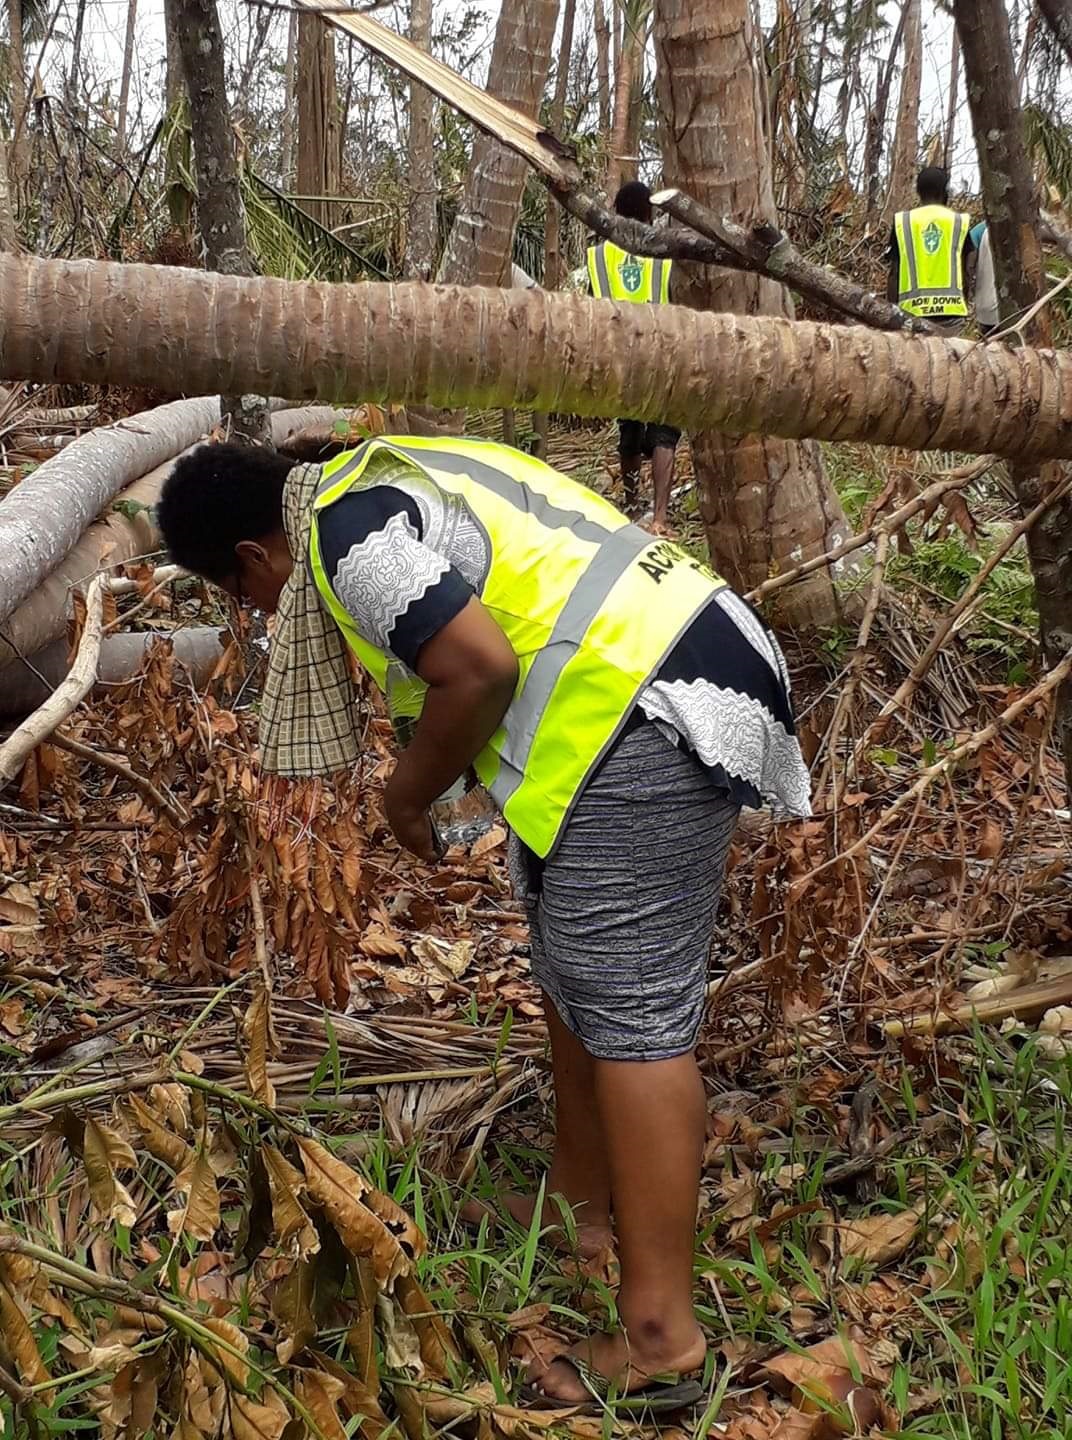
(632, 274)
(932, 239)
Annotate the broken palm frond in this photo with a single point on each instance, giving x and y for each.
(710, 240)
(222, 1312)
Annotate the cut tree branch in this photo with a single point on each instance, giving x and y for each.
(764, 250)
(37, 727)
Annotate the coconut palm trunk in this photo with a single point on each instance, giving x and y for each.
(82, 322)
(766, 504)
(478, 250)
(905, 154)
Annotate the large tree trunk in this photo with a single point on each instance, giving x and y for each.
(766, 504)
(481, 239)
(290, 103)
(905, 155)
(1012, 218)
(602, 33)
(421, 228)
(43, 517)
(1058, 16)
(875, 131)
(953, 98)
(33, 599)
(621, 165)
(16, 79)
(9, 239)
(128, 65)
(319, 171)
(220, 219)
(451, 346)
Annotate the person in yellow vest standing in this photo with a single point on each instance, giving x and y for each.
(619, 702)
(614, 274)
(928, 254)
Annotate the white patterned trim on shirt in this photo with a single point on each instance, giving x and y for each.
(379, 579)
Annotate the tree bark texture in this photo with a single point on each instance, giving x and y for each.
(454, 346)
(16, 79)
(904, 158)
(26, 686)
(1013, 220)
(420, 151)
(1058, 16)
(620, 164)
(290, 102)
(767, 504)
(174, 84)
(954, 96)
(319, 124)
(74, 95)
(875, 131)
(552, 254)
(220, 217)
(41, 519)
(602, 34)
(9, 239)
(481, 240)
(39, 615)
(124, 79)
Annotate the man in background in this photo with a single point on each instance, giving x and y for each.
(987, 314)
(614, 274)
(929, 247)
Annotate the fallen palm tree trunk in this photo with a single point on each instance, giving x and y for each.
(26, 686)
(126, 531)
(42, 519)
(453, 347)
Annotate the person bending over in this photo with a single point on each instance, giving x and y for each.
(619, 702)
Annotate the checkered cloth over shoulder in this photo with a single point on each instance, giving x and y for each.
(309, 721)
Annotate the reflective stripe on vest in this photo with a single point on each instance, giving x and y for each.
(591, 606)
(616, 275)
(930, 248)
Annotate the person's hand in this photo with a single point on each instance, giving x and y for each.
(410, 824)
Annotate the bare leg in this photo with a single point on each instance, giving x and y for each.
(653, 1119)
(662, 479)
(580, 1170)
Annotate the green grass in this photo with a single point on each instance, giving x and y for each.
(978, 1328)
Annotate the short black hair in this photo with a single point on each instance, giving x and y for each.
(933, 184)
(216, 496)
(633, 201)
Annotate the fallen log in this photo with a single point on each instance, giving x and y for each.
(42, 519)
(453, 347)
(118, 536)
(26, 686)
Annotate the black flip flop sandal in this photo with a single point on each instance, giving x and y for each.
(658, 1397)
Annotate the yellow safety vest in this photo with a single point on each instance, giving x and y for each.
(590, 604)
(617, 275)
(930, 248)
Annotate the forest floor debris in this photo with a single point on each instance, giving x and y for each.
(227, 1211)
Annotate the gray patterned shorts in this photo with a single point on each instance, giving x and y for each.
(622, 914)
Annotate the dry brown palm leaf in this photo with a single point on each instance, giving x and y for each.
(199, 1217)
(341, 1192)
(103, 1152)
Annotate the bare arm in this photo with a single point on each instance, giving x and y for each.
(471, 672)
